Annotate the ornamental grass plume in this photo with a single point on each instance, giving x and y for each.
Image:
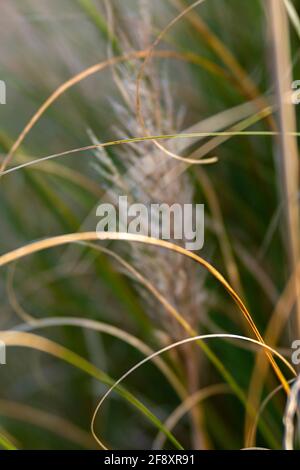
(144, 174)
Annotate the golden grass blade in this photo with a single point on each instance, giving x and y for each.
(168, 348)
(77, 79)
(92, 236)
(186, 160)
(169, 308)
(172, 311)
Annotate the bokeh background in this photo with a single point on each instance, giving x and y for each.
(225, 76)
